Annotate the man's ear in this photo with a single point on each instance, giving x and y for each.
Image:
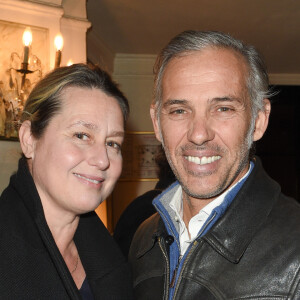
(153, 114)
(262, 121)
(27, 141)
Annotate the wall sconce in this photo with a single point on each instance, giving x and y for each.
(16, 86)
(23, 71)
(27, 40)
(21, 86)
(59, 43)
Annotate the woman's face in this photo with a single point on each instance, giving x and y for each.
(77, 161)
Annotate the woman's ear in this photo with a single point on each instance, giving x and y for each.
(27, 141)
(262, 121)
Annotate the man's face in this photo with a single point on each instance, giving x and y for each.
(204, 121)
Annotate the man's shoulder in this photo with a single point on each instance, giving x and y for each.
(281, 229)
(149, 227)
(287, 212)
(146, 235)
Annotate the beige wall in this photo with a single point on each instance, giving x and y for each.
(135, 77)
(10, 152)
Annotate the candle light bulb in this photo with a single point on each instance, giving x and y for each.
(69, 63)
(27, 37)
(59, 42)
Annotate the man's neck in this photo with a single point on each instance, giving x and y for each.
(191, 207)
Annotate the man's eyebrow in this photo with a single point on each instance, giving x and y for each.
(174, 102)
(226, 98)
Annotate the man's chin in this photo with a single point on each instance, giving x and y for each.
(202, 194)
(201, 189)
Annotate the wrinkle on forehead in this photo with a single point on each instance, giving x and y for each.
(210, 57)
(209, 68)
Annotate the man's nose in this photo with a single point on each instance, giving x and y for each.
(200, 130)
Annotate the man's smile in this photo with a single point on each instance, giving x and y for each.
(202, 160)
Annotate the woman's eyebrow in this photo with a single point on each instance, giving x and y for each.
(117, 133)
(93, 126)
(84, 124)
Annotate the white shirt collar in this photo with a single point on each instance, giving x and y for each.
(197, 221)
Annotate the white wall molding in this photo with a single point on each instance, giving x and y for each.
(134, 64)
(74, 32)
(75, 23)
(23, 8)
(134, 73)
(284, 79)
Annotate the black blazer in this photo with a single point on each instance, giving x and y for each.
(31, 266)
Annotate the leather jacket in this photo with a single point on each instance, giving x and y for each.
(251, 252)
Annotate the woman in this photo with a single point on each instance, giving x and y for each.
(52, 244)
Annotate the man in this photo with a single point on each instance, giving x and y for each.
(224, 230)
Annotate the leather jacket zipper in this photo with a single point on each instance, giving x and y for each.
(163, 249)
(175, 273)
(189, 254)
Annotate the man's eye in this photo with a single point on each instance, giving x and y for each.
(177, 111)
(82, 136)
(224, 109)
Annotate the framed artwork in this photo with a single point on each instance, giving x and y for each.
(139, 151)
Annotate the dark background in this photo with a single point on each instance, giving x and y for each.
(279, 147)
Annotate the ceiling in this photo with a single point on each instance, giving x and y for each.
(144, 27)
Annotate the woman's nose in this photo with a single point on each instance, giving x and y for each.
(98, 157)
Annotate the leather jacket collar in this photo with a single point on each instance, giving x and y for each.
(225, 236)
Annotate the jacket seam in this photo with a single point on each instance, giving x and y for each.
(296, 283)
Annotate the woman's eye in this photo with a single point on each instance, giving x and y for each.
(114, 145)
(81, 136)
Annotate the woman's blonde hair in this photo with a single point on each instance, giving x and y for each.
(44, 102)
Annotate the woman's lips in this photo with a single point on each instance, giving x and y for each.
(92, 179)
